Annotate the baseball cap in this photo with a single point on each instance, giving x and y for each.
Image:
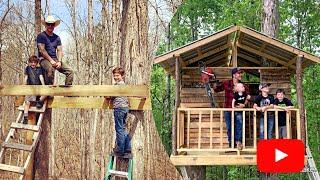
(262, 85)
(236, 70)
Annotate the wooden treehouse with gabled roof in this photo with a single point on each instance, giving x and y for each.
(21, 146)
(199, 134)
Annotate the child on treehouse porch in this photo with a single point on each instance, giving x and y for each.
(281, 102)
(240, 99)
(121, 109)
(33, 76)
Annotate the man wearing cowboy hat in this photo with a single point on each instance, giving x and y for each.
(50, 52)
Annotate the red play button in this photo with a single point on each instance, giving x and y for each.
(280, 156)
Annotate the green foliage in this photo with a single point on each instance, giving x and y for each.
(161, 112)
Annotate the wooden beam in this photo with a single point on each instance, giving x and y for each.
(14, 169)
(265, 55)
(203, 160)
(88, 103)
(177, 104)
(293, 60)
(300, 99)
(17, 146)
(279, 44)
(195, 44)
(76, 90)
(234, 56)
(209, 53)
(183, 63)
(262, 47)
(30, 173)
(28, 127)
(216, 58)
(253, 68)
(97, 103)
(251, 59)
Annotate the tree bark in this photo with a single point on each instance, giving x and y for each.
(37, 19)
(123, 31)
(300, 98)
(270, 23)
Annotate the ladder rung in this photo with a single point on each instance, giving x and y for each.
(118, 173)
(14, 169)
(33, 109)
(25, 126)
(17, 146)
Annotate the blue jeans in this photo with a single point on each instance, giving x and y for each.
(122, 137)
(270, 123)
(237, 125)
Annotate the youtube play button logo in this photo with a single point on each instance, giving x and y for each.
(280, 156)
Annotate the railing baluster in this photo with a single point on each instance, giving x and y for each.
(188, 130)
(232, 129)
(221, 129)
(199, 134)
(277, 123)
(298, 124)
(244, 129)
(265, 126)
(254, 129)
(178, 129)
(288, 125)
(211, 129)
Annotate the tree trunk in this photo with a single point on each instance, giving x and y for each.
(93, 122)
(270, 27)
(37, 19)
(270, 23)
(270, 18)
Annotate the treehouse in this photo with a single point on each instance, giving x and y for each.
(199, 131)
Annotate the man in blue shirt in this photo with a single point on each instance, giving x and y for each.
(50, 53)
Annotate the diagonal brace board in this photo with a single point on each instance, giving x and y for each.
(75, 90)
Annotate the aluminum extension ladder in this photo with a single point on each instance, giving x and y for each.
(311, 168)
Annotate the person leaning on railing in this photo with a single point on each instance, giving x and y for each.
(228, 87)
(281, 102)
(240, 99)
(262, 103)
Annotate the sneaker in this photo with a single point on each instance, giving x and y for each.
(118, 153)
(127, 155)
(39, 104)
(25, 120)
(239, 145)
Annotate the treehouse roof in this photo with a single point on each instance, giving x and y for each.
(238, 47)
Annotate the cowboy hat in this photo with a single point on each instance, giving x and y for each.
(50, 19)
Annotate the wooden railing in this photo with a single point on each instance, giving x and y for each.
(204, 129)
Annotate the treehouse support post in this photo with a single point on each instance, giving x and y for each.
(177, 103)
(300, 100)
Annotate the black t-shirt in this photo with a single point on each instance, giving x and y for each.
(240, 99)
(33, 75)
(282, 115)
(264, 101)
(51, 43)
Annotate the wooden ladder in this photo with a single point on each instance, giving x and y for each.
(111, 172)
(29, 148)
